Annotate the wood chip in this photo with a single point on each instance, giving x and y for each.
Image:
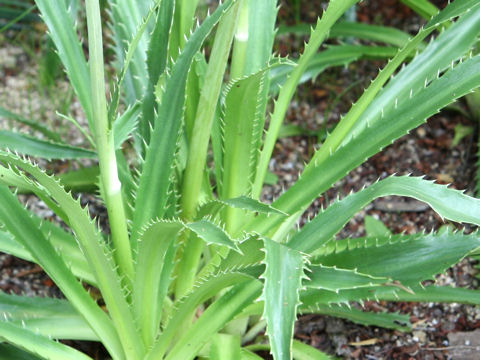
(367, 342)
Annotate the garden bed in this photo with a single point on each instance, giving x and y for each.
(426, 151)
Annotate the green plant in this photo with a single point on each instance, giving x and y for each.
(194, 259)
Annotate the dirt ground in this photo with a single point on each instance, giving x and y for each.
(440, 331)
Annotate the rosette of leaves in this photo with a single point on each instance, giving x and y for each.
(194, 265)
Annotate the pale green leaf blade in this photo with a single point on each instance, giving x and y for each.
(448, 203)
(125, 125)
(385, 34)
(28, 145)
(283, 280)
(423, 7)
(204, 290)
(333, 279)
(52, 318)
(150, 263)
(246, 203)
(407, 259)
(240, 131)
(161, 150)
(212, 320)
(433, 293)
(63, 34)
(303, 351)
(261, 22)
(18, 222)
(126, 24)
(375, 227)
(37, 344)
(212, 234)
(91, 243)
(395, 321)
(225, 347)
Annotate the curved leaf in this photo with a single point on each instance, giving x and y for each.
(283, 280)
(18, 222)
(38, 344)
(449, 203)
(156, 169)
(28, 145)
(407, 260)
(383, 319)
(63, 33)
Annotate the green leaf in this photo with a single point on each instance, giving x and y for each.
(128, 26)
(11, 352)
(211, 233)
(333, 279)
(243, 202)
(156, 171)
(81, 180)
(225, 347)
(28, 145)
(62, 241)
(212, 320)
(125, 125)
(340, 55)
(334, 11)
(152, 251)
(423, 7)
(382, 319)
(157, 56)
(203, 291)
(449, 203)
(52, 318)
(385, 34)
(303, 351)
(283, 280)
(18, 222)
(444, 294)
(375, 227)
(408, 259)
(409, 112)
(453, 10)
(46, 348)
(63, 33)
(416, 81)
(94, 249)
(242, 129)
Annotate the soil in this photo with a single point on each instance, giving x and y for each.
(440, 331)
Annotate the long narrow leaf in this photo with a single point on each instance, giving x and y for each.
(449, 203)
(156, 170)
(283, 280)
(28, 145)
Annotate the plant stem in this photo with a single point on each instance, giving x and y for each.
(241, 41)
(197, 154)
(110, 184)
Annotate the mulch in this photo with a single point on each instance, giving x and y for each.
(441, 331)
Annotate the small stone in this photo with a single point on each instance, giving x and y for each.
(419, 336)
